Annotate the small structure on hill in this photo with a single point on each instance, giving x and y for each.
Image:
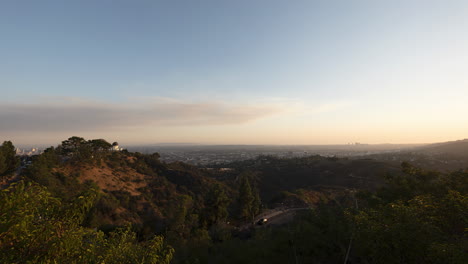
(116, 147)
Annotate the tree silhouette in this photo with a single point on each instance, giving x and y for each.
(9, 162)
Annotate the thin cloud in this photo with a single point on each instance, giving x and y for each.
(296, 107)
(75, 114)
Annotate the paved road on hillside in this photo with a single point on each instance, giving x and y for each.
(275, 216)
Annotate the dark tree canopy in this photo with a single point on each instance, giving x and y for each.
(249, 200)
(8, 159)
(72, 144)
(216, 203)
(99, 145)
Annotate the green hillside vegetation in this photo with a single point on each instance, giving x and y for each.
(36, 227)
(418, 217)
(81, 202)
(275, 175)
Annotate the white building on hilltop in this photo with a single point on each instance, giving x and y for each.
(116, 147)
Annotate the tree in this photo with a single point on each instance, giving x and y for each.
(72, 145)
(420, 217)
(246, 199)
(216, 203)
(181, 209)
(257, 202)
(9, 162)
(78, 148)
(3, 165)
(36, 227)
(99, 145)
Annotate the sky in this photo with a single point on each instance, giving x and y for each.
(234, 72)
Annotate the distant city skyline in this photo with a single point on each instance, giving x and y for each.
(234, 72)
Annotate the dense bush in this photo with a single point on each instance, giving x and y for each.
(35, 227)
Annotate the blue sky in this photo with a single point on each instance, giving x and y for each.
(234, 72)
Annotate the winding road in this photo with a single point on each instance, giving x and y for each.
(275, 216)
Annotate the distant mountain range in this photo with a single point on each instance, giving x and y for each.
(458, 148)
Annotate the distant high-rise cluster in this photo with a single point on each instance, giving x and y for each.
(28, 152)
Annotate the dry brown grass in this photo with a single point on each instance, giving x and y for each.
(124, 179)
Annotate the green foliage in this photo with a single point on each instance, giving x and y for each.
(216, 203)
(38, 228)
(257, 202)
(248, 199)
(42, 171)
(273, 175)
(315, 236)
(9, 162)
(3, 164)
(245, 199)
(73, 145)
(99, 145)
(79, 149)
(419, 217)
(122, 247)
(179, 223)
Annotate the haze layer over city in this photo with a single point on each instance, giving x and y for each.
(234, 72)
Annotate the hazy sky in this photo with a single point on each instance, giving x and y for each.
(234, 72)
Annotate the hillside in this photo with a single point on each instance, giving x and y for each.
(107, 179)
(140, 188)
(274, 175)
(134, 188)
(453, 148)
(209, 215)
(446, 156)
